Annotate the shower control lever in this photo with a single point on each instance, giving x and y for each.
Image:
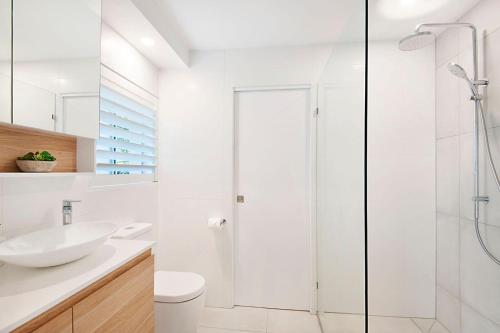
(481, 199)
(484, 82)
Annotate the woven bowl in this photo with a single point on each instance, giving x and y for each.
(36, 166)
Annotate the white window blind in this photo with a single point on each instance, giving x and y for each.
(127, 141)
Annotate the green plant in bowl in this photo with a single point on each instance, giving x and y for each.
(36, 162)
(38, 156)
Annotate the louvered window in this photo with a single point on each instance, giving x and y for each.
(127, 143)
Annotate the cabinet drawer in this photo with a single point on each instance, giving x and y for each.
(126, 304)
(63, 323)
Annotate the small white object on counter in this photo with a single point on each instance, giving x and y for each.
(28, 292)
(216, 223)
(132, 231)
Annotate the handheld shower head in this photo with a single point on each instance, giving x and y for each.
(458, 71)
(415, 41)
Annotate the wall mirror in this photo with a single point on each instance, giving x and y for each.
(5, 61)
(56, 65)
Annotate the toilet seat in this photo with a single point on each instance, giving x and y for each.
(177, 287)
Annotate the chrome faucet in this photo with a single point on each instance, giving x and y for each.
(67, 211)
(2, 237)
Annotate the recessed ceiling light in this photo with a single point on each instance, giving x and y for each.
(407, 3)
(404, 9)
(148, 41)
(61, 81)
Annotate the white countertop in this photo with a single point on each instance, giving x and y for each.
(27, 292)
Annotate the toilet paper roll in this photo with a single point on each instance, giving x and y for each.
(216, 223)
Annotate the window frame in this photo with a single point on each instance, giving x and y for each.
(118, 83)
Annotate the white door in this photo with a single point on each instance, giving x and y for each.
(273, 255)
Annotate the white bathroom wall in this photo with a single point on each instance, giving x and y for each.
(468, 289)
(118, 55)
(195, 174)
(401, 181)
(196, 152)
(401, 190)
(340, 178)
(28, 203)
(196, 169)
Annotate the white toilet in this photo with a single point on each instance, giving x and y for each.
(179, 296)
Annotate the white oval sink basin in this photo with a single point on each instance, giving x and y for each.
(55, 246)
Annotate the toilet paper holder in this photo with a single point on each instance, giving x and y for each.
(216, 222)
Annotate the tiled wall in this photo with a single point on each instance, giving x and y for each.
(196, 161)
(401, 181)
(196, 152)
(30, 203)
(468, 282)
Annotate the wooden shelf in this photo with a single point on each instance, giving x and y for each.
(16, 141)
(75, 155)
(44, 174)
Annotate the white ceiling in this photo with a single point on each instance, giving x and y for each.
(227, 24)
(51, 30)
(127, 20)
(393, 19)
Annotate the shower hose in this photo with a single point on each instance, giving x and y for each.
(497, 180)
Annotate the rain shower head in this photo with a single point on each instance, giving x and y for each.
(458, 71)
(415, 41)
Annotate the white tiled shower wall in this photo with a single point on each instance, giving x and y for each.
(468, 288)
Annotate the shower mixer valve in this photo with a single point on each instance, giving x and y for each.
(485, 199)
(479, 97)
(484, 82)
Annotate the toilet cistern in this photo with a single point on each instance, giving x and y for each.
(67, 211)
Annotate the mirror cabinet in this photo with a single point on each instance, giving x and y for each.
(5, 61)
(50, 65)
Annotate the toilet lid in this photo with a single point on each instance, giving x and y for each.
(176, 287)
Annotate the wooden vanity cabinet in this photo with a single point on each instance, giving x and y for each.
(63, 323)
(121, 302)
(125, 304)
